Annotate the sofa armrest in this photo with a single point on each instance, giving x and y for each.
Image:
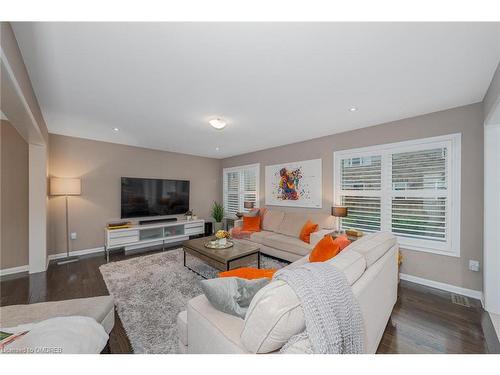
(317, 236)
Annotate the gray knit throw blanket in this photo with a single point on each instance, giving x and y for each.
(333, 317)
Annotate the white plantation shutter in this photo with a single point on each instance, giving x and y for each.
(364, 213)
(410, 188)
(419, 170)
(423, 218)
(361, 173)
(422, 177)
(240, 185)
(361, 180)
(231, 192)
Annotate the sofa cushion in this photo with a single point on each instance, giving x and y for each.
(259, 236)
(94, 307)
(351, 263)
(211, 331)
(63, 335)
(292, 224)
(287, 243)
(373, 246)
(272, 220)
(274, 315)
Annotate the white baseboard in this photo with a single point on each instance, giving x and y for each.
(13, 270)
(76, 253)
(477, 294)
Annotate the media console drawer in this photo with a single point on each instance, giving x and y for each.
(123, 240)
(126, 233)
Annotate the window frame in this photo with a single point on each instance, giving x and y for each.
(452, 193)
(241, 191)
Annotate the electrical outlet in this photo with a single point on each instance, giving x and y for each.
(474, 265)
(73, 235)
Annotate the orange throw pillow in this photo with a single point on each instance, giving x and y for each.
(342, 241)
(249, 273)
(325, 249)
(308, 228)
(251, 224)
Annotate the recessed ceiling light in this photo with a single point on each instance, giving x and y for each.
(116, 129)
(353, 109)
(217, 123)
(217, 148)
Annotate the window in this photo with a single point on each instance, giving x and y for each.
(241, 184)
(409, 188)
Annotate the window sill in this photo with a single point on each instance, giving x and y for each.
(452, 253)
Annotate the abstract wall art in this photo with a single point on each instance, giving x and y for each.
(296, 184)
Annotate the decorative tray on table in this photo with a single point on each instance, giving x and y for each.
(216, 245)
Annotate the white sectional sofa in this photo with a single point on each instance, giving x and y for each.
(275, 314)
(280, 232)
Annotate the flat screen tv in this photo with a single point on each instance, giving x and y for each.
(144, 197)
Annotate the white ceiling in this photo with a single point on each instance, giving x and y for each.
(274, 83)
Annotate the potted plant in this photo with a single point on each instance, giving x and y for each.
(189, 215)
(217, 215)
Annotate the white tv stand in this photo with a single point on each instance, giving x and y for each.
(139, 236)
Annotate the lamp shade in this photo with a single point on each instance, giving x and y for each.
(248, 205)
(65, 186)
(339, 211)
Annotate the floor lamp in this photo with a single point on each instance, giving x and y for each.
(66, 187)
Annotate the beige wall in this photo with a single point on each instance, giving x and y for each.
(100, 165)
(467, 120)
(14, 198)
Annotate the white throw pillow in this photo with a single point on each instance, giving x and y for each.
(274, 315)
(68, 335)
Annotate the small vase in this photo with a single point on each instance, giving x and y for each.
(217, 226)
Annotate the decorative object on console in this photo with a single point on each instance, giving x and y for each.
(189, 215)
(119, 225)
(217, 215)
(296, 184)
(338, 211)
(66, 187)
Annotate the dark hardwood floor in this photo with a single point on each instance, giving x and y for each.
(424, 319)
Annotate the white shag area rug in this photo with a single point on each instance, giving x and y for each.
(149, 291)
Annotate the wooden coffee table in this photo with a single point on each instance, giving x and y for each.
(240, 255)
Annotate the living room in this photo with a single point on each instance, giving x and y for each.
(186, 187)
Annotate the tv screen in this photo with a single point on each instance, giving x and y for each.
(142, 197)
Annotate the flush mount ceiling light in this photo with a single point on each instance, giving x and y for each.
(116, 129)
(218, 123)
(353, 109)
(217, 148)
